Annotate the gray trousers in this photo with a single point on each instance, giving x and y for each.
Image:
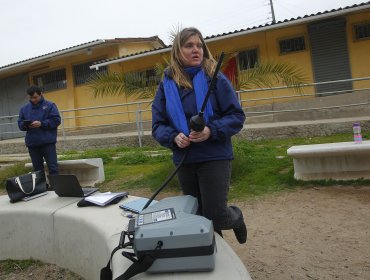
(209, 183)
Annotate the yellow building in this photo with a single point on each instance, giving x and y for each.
(64, 76)
(328, 46)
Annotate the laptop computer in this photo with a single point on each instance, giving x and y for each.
(67, 185)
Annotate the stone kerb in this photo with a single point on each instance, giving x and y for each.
(27, 229)
(338, 161)
(88, 171)
(54, 230)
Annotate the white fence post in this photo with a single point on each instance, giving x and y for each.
(138, 127)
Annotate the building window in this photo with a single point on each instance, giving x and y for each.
(248, 59)
(292, 45)
(82, 73)
(144, 78)
(362, 31)
(50, 81)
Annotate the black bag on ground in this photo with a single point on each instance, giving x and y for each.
(25, 185)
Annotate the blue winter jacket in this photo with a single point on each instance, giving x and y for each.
(228, 119)
(47, 113)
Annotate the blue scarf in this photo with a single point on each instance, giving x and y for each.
(173, 102)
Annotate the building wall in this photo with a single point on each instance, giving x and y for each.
(81, 96)
(267, 43)
(359, 49)
(126, 113)
(135, 47)
(12, 97)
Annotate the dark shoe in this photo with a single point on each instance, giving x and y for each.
(241, 233)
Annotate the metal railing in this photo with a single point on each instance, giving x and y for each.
(132, 114)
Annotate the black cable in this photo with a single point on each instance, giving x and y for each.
(169, 178)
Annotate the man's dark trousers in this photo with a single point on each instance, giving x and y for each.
(47, 152)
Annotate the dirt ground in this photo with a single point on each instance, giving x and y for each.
(316, 233)
(313, 233)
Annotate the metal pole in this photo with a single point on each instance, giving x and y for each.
(138, 127)
(63, 131)
(272, 12)
(141, 120)
(238, 94)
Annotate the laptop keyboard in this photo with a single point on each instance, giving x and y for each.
(87, 190)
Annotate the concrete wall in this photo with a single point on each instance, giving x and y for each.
(12, 97)
(251, 132)
(313, 109)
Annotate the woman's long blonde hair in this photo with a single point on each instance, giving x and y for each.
(176, 71)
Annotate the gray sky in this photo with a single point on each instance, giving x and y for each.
(30, 28)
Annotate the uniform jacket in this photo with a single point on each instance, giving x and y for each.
(47, 113)
(228, 119)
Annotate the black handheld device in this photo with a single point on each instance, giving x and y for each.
(197, 122)
(27, 123)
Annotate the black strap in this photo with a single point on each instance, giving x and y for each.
(106, 272)
(181, 252)
(137, 267)
(142, 264)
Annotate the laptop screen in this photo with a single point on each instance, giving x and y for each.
(67, 185)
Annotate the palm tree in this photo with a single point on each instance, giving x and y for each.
(129, 84)
(272, 73)
(137, 84)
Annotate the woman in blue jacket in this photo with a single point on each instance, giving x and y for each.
(206, 170)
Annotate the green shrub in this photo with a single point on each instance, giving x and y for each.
(12, 171)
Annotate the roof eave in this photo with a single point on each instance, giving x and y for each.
(288, 23)
(126, 58)
(51, 55)
(241, 33)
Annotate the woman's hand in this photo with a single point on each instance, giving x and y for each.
(200, 136)
(181, 140)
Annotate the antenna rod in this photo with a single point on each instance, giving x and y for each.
(272, 12)
(213, 82)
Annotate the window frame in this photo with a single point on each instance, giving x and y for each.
(257, 59)
(88, 63)
(146, 70)
(358, 24)
(305, 46)
(36, 75)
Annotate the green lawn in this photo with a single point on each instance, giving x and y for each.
(259, 167)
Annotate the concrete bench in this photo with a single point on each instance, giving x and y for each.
(338, 161)
(88, 171)
(54, 230)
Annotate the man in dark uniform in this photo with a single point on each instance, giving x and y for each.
(40, 118)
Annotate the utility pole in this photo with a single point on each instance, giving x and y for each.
(272, 12)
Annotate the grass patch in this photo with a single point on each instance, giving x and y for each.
(12, 171)
(9, 266)
(142, 157)
(259, 167)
